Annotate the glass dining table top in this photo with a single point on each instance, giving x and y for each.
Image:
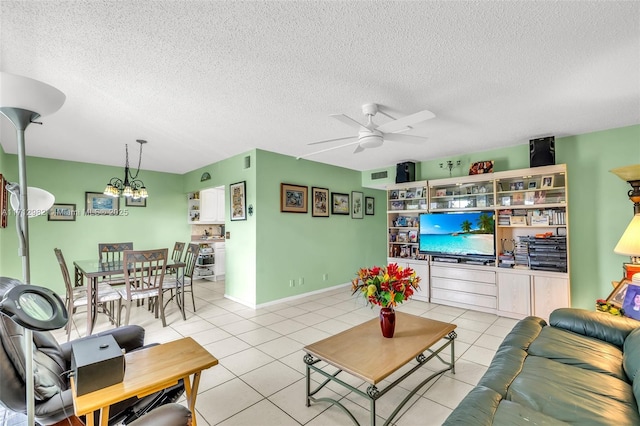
(93, 267)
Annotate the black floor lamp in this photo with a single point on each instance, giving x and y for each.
(23, 100)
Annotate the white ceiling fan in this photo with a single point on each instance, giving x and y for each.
(371, 135)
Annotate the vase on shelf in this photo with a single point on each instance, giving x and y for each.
(387, 321)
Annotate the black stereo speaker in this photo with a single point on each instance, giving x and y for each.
(542, 152)
(405, 172)
(96, 363)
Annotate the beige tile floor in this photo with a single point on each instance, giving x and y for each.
(260, 377)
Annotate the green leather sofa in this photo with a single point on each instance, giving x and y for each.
(581, 369)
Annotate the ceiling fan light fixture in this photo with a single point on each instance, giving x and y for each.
(370, 139)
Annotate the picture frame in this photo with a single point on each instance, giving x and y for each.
(238, 201)
(631, 304)
(519, 185)
(339, 203)
(617, 296)
(533, 184)
(402, 194)
(481, 167)
(357, 205)
(293, 198)
(4, 202)
(61, 212)
(518, 220)
(441, 193)
(130, 202)
(319, 202)
(547, 182)
(369, 206)
(98, 204)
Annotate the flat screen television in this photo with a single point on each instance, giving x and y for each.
(457, 234)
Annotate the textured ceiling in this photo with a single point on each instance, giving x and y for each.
(203, 81)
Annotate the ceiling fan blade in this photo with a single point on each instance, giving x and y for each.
(333, 140)
(404, 122)
(348, 121)
(398, 137)
(327, 149)
(358, 149)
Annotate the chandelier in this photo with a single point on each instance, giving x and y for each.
(131, 186)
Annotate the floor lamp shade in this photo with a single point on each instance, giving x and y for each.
(26, 93)
(629, 243)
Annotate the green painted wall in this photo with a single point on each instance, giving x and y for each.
(160, 224)
(599, 209)
(294, 246)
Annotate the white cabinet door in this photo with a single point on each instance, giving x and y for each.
(549, 293)
(219, 250)
(514, 295)
(220, 208)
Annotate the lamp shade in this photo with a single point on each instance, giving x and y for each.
(34, 307)
(39, 201)
(629, 243)
(26, 93)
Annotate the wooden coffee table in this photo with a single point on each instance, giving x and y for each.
(363, 352)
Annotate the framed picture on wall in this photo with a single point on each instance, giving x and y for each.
(369, 205)
(4, 202)
(320, 202)
(238, 199)
(62, 213)
(293, 198)
(357, 205)
(130, 202)
(339, 203)
(98, 204)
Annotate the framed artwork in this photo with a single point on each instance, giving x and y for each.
(97, 203)
(369, 204)
(62, 213)
(4, 202)
(293, 198)
(357, 205)
(533, 184)
(130, 202)
(617, 296)
(320, 202)
(339, 203)
(238, 199)
(547, 182)
(481, 167)
(631, 304)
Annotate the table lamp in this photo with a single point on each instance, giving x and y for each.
(23, 100)
(629, 243)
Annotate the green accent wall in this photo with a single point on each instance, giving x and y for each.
(271, 248)
(158, 225)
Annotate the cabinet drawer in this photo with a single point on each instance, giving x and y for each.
(464, 274)
(460, 297)
(463, 286)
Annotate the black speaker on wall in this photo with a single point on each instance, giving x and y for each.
(405, 172)
(542, 152)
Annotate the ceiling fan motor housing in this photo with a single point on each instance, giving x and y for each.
(371, 139)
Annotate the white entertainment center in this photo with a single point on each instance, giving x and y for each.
(528, 274)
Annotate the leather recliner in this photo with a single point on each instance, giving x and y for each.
(51, 365)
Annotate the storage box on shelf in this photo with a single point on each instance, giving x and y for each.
(405, 202)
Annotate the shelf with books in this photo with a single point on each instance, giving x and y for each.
(405, 202)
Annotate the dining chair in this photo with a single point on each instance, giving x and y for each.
(143, 276)
(173, 282)
(110, 253)
(176, 255)
(77, 296)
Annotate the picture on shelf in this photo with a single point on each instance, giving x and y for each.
(402, 194)
(410, 194)
(518, 221)
(529, 198)
(617, 296)
(631, 305)
(413, 236)
(393, 195)
(547, 182)
(540, 197)
(533, 184)
(441, 192)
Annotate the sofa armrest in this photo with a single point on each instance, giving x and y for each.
(605, 327)
(478, 408)
(128, 337)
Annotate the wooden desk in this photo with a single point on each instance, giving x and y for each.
(362, 352)
(93, 270)
(147, 371)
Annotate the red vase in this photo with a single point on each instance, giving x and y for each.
(387, 321)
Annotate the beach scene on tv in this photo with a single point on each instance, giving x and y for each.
(469, 233)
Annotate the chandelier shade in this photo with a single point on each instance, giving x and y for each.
(130, 186)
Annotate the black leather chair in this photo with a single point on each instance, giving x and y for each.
(51, 365)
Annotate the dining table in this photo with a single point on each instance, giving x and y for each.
(94, 270)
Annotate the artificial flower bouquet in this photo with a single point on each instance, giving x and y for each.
(386, 286)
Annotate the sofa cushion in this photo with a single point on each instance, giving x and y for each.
(581, 351)
(609, 328)
(511, 414)
(631, 358)
(573, 394)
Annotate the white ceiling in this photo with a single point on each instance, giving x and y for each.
(203, 81)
